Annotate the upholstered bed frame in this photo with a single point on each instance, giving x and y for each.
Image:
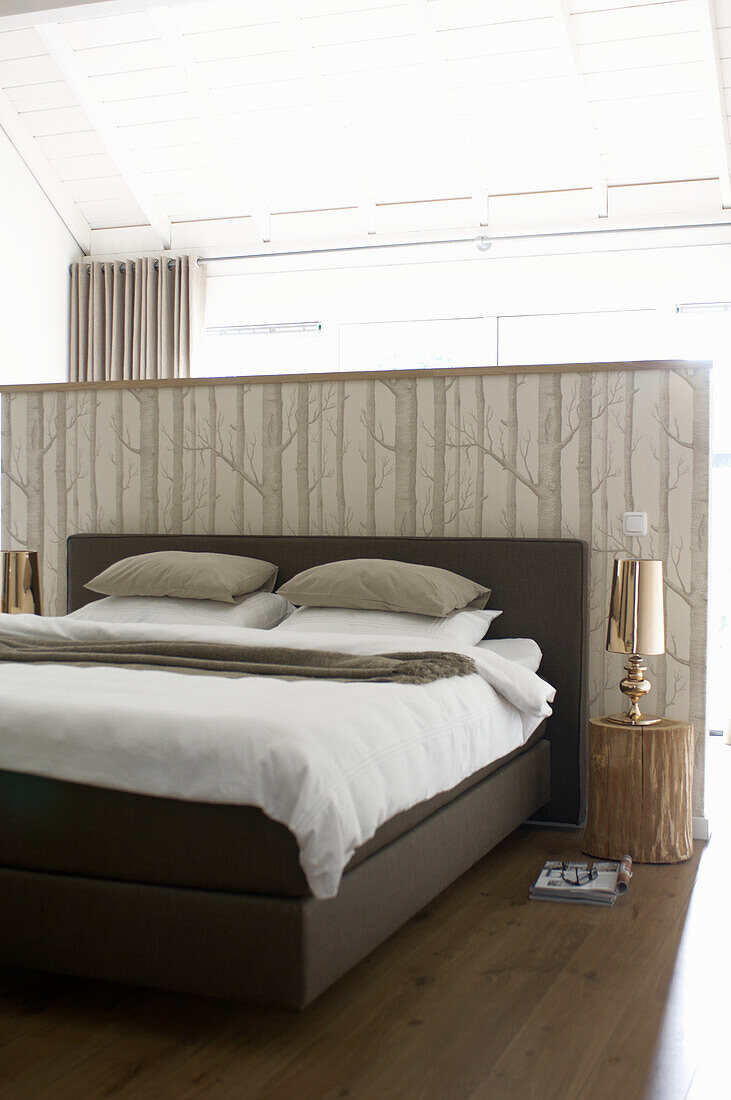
(276, 947)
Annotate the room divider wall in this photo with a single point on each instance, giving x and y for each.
(524, 451)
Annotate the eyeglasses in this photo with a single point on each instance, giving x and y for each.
(577, 876)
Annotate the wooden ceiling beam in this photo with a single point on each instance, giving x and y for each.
(443, 79)
(168, 27)
(562, 17)
(316, 83)
(30, 153)
(57, 44)
(709, 33)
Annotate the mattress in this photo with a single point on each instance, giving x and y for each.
(332, 761)
(70, 828)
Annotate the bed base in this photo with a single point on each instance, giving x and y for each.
(251, 947)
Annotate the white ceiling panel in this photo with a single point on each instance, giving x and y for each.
(524, 95)
(507, 69)
(582, 7)
(22, 43)
(652, 109)
(724, 41)
(486, 40)
(164, 158)
(234, 71)
(382, 82)
(665, 198)
(144, 85)
(85, 167)
(124, 57)
(381, 116)
(317, 9)
(87, 34)
(617, 57)
(41, 97)
(97, 189)
(80, 145)
(365, 23)
(445, 14)
(380, 53)
(617, 24)
(656, 165)
(160, 135)
(408, 217)
(61, 120)
(20, 72)
(236, 42)
(659, 80)
(309, 225)
(259, 97)
(201, 205)
(525, 175)
(275, 124)
(666, 135)
(176, 181)
(546, 207)
(151, 109)
(225, 13)
(112, 213)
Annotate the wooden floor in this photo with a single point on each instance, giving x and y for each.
(483, 995)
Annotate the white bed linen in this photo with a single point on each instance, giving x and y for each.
(524, 651)
(330, 760)
(466, 627)
(263, 610)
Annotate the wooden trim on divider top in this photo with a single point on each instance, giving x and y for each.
(357, 376)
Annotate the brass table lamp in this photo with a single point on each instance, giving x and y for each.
(636, 626)
(20, 591)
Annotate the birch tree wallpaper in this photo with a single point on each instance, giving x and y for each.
(548, 454)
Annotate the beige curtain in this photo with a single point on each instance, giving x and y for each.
(140, 318)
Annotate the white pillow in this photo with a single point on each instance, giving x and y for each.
(524, 651)
(258, 609)
(461, 627)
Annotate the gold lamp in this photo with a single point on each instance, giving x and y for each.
(20, 593)
(636, 626)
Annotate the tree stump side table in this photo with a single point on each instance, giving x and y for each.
(640, 784)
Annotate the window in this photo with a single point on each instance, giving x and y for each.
(289, 348)
(411, 345)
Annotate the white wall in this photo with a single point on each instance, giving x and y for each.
(526, 293)
(35, 252)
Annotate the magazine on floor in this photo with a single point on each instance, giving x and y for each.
(598, 884)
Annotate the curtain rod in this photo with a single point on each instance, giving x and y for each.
(482, 242)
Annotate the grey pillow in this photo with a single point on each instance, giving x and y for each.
(377, 583)
(185, 575)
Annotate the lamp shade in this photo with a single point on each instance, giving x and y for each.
(636, 608)
(21, 589)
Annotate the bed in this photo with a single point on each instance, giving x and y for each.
(212, 899)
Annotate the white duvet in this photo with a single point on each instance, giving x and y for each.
(330, 760)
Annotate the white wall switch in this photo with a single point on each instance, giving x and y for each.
(634, 523)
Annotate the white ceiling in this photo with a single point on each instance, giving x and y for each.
(197, 125)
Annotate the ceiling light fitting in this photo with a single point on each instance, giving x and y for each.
(483, 244)
(703, 307)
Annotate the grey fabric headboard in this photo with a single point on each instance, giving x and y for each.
(540, 584)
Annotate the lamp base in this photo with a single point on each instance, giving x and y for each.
(635, 687)
(625, 720)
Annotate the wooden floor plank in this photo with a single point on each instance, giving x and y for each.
(594, 989)
(465, 1001)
